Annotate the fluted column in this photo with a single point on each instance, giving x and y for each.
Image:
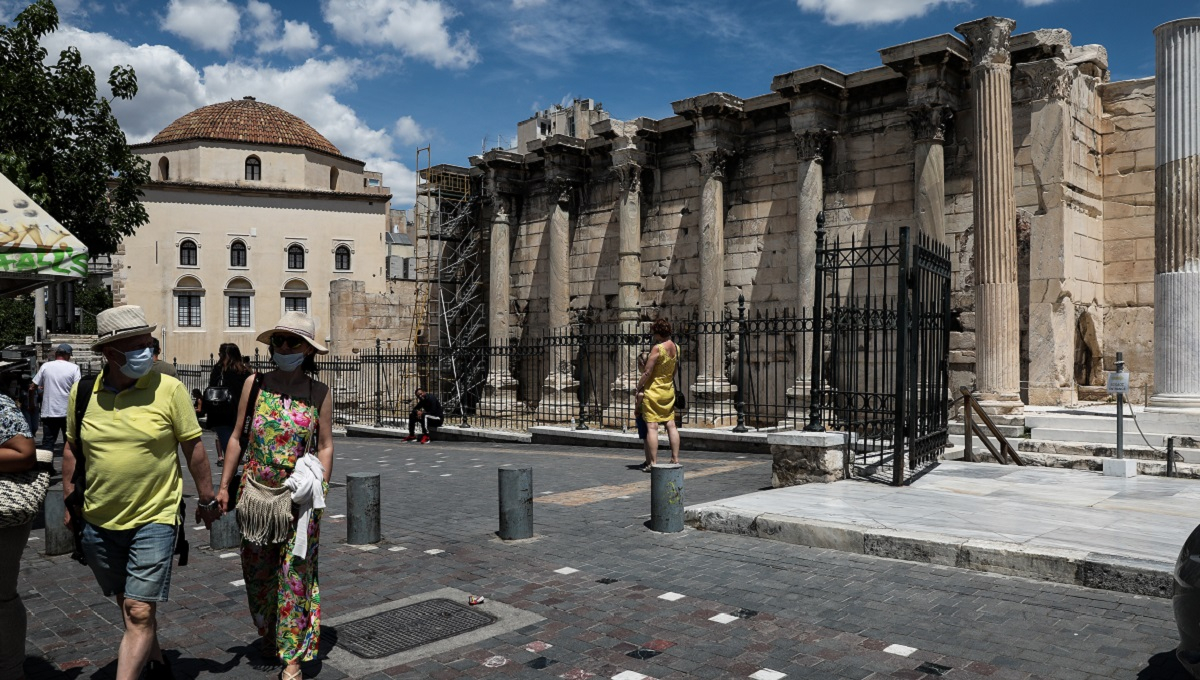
(560, 400)
(1176, 225)
(499, 395)
(712, 394)
(998, 331)
(629, 277)
(811, 149)
(929, 171)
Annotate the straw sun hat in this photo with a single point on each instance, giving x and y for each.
(119, 323)
(296, 323)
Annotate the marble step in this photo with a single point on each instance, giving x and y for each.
(1090, 449)
(1009, 431)
(1150, 422)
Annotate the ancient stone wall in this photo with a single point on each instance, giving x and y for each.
(1083, 186)
(358, 317)
(1128, 175)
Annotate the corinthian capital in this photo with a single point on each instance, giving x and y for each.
(629, 175)
(561, 191)
(813, 145)
(1048, 78)
(929, 122)
(712, 162)
(988, 38)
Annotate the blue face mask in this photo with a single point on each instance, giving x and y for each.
(288, 362)
(138, 363)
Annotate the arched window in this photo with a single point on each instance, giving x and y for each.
(237, 254)
(341, 259)
(295, 296)
(187, 253)
(189, 301)
(253, 168)
(295, 254)
(238, 294)
(164, 169)
(333, 179)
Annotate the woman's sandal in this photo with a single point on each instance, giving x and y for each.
(284, 675)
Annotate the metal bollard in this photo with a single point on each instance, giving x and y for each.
(362, 508)
(224, 532)
(516, 503)
(60, 540)
(666, 498)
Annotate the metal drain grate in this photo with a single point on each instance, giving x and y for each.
(405, 628)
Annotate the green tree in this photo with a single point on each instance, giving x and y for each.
(59, 141)
(16, 320)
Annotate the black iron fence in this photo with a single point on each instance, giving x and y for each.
(871, 359)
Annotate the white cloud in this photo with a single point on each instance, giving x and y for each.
(297, 39)
(522, 4)
(416, 28)
(1036, 3)
(408, 131)
(841, 12)
(169, 87)
(210, 24)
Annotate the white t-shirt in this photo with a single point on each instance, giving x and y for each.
(56, 378)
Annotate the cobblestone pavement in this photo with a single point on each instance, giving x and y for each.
(618, 600)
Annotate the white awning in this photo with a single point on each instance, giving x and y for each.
(34, 248)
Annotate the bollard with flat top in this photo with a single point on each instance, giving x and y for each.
(60, 540)
(666, 497)
(516, 503)
(224, 533)
(362, 508)
(1118, 384)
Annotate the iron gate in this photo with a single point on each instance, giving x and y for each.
(881, 349)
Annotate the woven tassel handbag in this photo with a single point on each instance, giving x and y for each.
(22, 493)
(264, 513)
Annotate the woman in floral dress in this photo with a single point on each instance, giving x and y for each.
(290, 408)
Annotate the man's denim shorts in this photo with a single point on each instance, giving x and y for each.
(135, 563)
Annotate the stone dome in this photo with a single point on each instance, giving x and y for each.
(245, 120)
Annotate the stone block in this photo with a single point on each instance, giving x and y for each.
(1120, 251)
(911, 546)
(1047, 564)
(809, 532)
(806, 457)
(724, 520)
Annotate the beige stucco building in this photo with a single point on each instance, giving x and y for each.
(252, 212)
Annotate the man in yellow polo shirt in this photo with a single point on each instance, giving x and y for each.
(135, 420)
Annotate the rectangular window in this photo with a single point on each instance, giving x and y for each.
(239, 311)
(189, 311)
(295, 304)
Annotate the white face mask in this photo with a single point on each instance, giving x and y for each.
(138, 362)
(288, 362)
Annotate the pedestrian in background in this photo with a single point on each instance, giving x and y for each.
(55, 378)
(290, 416)
(656, 392)
(161, 366)
(224, 393)
(428, 413)
(30, 402)
(16, 455)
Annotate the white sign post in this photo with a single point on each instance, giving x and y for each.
(1118, 384)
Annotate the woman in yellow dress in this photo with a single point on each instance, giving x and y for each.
(656, 392)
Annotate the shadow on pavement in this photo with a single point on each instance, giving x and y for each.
(1164, 666)
(36, 668)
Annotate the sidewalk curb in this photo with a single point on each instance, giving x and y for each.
(448, 433)
(1092, 570)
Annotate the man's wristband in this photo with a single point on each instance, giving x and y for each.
(211, 505)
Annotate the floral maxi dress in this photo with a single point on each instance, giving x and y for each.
(285, 600)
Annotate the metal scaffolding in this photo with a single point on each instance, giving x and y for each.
(449, 312)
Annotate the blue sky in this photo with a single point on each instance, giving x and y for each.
(381, 77)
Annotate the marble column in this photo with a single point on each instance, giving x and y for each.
(811, 148)
(499, 393)
(1176, 227)
(560, 394)
(712, 393)
(629, 276)
(998, 331)
(929, 170)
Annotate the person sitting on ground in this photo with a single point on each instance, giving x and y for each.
(427, 412)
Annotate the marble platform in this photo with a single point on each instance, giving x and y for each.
(1062, 525)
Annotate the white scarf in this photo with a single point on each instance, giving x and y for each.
(308, 495)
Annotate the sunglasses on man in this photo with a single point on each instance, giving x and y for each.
(289, 341)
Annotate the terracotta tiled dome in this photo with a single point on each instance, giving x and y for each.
(245, 120)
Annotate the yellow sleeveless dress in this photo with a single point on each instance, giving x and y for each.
(658, 403)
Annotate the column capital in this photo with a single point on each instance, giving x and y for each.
(813, 145)
(929, 122)
(989, 41)
(629, 175)
(1048, 78)
(561, 190)
(712, 161)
